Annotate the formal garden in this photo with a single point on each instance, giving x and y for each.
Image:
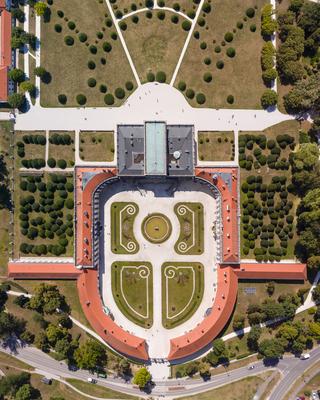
(132, 289)
(216, 146)
(44, 222)
(92, 57)
(30, 149)
(216, 71)
(96, 146)
(268, 202)
(61, 150)
(122, 216)
(182, 291)
(155, 40)
(191, 236)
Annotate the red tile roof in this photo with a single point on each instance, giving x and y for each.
(42, 270)
(287, 271)
(5, 50)
(124, 342)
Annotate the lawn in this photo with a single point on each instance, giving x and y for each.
(109, 68)
(132, 289)
(62, 151)
(182, 291)
(266, 172)
(97, 146)
(98, 391)
(244, 389)
(191, 240)
(314, 383)
(156, 228)
(31, 151)
(7, 361)
(186, 6)
(6, 162)
(216, 146)
(240, 76)
(154, 44)
(122, 219)
(44, 229)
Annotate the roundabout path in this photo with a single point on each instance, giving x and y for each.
(157, 336)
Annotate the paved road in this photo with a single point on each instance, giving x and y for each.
(290, 367)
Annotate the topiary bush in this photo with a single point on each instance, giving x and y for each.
(161, 15)
(58, 28)
(186, 25)
(69, 41)
(123, 26)
(182, 86)
(161, 77)
(150, 77)
(228, 37)
(190, 93)
(250, 12)
(239, 25)
(71, 25)
(200, 98)
(51, 162)
(207, 77)
(91, 64)
(253, 28)
(82, 37)
(93, 49)
(231, 52)
(120, 93)
(81, 99)
(91, 82)
(230, 99)
(62, 164)
(220, 64)
(129, 85)
(62, 98)
(217, 49)
(107, 47)
(203, 45)
(207, 60)
(109, 99)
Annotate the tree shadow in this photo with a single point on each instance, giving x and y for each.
(47, 78)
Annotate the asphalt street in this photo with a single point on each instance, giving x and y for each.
(290, 367)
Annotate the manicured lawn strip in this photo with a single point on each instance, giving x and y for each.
(32, 151)
(5, 152)
(238, 76)
(62, 151)
(186, 227)
(99, 391)
(290, 128)
(70, 77)
(180, 290)
(154, 44)
(96, 146)
(126, 235)
(244, 389)
(134, 289)
(216, 146)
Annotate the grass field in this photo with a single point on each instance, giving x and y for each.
(98, 391)
(122, 219)
(132, 289)
(288, 127)
(96, 146)
(238, 76)
(62, 151)
(216, 146)
(191, 240)
(70, 77)
(154, 44)
(244, 389)
(182, 291)
(7, 361)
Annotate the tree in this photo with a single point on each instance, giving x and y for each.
(3, 299)
(272, 310)
(314, 262)
(219, 353)
(40, 72)
(268, 24)
(316, 293)
(9, 324)
(253, 337)
(310, 19)
(123, 367)
(40, 8)
(271, 348)
(41, 341)
(238, 322)
(18, 14)
(64, 347)
(55, 333)
(27, 86)
(47, 298)
(142, 377)
(314, 328)
(24, 392)
(270, 287)
(90, 355)
(269, 98)
(16, 75)
(9, 385)
(16, 100)
(306, 157)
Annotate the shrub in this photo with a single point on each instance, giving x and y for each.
(62, 164)
(69, 203)
(58, 28)
(182, 86)
(250, 12)
(190, 93)
(151, 77)
(82, 37)
(207, 77)
(62, 98)
(269, 98)
(231, 52)
(206, 7)
(123, 26)
(91, 64)
(267, 55)
(81, 99)
(109, 99)
(186, 25)
(91, 82)
(220, 64)
(107, 47)
(51, 162)
(174, 19)
(230, 99)
(129, 85)
(69, 41)
(268, 24)
(103, 89)
(149, 3)
(135, 19)
(253, 28)
(201, 98)
(207, 60)
(161, 76)
(161, 15)
(120, 93)
(228, 37)
(93, 49)
(269, 75)
(203, 45)
(239, 25)
(71, 25)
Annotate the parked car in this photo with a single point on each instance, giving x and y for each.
(251, 367)
(91, 380)
(305, 356)
(46, 381)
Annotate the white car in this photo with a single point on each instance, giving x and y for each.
(91, 380)
(305, 356)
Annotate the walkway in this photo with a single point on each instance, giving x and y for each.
(151, 101)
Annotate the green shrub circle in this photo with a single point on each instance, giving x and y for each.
(58, 28)
(217, 49)
(120, 93)
(150, 77)
(82, 37)
(186, 25)
(253, 28)
(81, 99)
(161, 15)
(182, 86)
(62, 98)
(161, 77)
(201, 98)
(109, 99)
(231, 52)
(207, 60)
(250, 12)
(123, 26)
(51, 162)
(228, 37)
(190, 93)
(62, 164)
(129, 85)
(107, 47)
(69, 41)
(71, 25)
(93, 49)
(239, 25)
(91, 64)
(220, 64)
(207, 77)
(91, 82)
(174, 19)
(103, 88)
(203, 45)
(230, 99)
